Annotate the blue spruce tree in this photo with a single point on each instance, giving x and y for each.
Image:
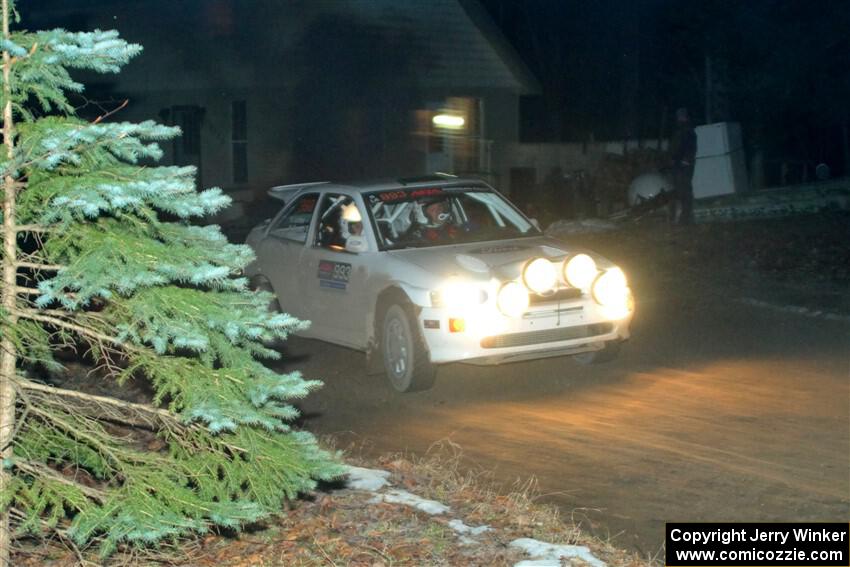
(99, 254)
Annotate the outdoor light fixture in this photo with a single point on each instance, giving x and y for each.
(512, 299)
(452, 121)
(580, 271)
(539, 275)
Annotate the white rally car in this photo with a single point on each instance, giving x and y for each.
(424, 271)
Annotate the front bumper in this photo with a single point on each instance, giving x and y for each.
(547, 330)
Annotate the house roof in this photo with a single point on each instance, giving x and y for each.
(237, 44)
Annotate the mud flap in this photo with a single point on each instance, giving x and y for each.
(374, 363)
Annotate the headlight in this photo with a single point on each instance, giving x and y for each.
(539, 275)
(611, 289)
(580, 271)
(458, 294)
(512, 299)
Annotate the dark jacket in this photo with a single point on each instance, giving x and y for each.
(683, 146)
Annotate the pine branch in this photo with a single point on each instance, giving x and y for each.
(110, 409)
(20, 516)
(36, 228)
(117, 411)
(35, 315)
(36, 257)
(99, 444)
(101, 138)
(26, 290)
(38, 469)
(62, 534)
(115, 110)
(37, 266)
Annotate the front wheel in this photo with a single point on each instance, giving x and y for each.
(608, 353)
(406, 359)
(261, 283)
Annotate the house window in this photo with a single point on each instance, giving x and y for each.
(239, 141)
(187, 147)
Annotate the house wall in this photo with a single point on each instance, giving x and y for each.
(268, 150)
(502, 127)
(331, 88)
(283, 147)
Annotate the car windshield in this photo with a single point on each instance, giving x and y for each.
(423, 217)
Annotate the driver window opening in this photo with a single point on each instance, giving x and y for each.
(339, 219)
(295, 222)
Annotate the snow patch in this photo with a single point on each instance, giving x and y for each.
(366, 479)
(404, 497)
(545, 554)
(541, 554)
(463, 529)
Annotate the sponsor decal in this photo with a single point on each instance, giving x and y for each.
(427, 192)
(397, 195)
(333, 275)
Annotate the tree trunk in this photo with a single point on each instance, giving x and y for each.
(709, 85)
(8, 354)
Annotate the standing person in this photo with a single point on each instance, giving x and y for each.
(683, 152)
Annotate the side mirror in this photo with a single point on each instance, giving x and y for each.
(356, 244)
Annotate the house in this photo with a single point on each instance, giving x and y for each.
(269, 92)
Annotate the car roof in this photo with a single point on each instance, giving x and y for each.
(444, 180)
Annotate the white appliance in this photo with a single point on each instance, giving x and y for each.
(721, 167)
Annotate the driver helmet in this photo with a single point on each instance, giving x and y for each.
(350, 222)
(429, 217)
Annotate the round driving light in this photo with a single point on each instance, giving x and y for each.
(458, 294)
(580, 271)
(611, 288)
(512, 299)
(539, 275)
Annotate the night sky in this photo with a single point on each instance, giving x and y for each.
(611, 68)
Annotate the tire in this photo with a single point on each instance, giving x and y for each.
(262, 284)
(608, 353)
(406, 362)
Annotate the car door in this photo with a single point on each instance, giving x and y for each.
(337, 276)
(281, 253)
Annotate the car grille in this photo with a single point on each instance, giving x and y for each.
(547, 336)
(560, 295)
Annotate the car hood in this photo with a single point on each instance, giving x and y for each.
(503, 259)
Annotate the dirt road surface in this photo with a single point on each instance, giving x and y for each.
(716, 411)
